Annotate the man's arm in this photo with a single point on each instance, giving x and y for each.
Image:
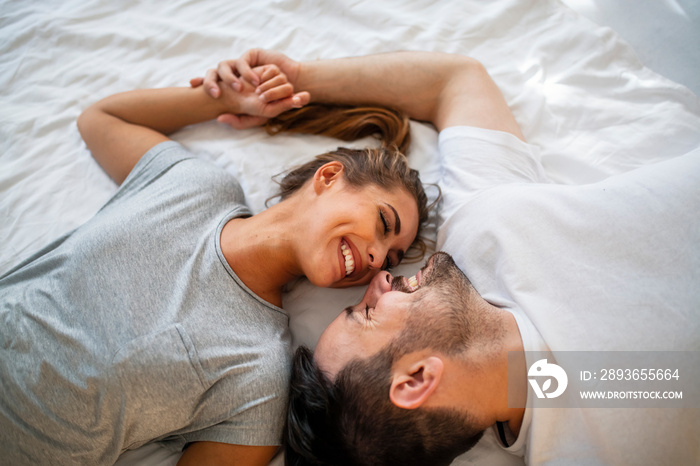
(444, 89)
(223, 454)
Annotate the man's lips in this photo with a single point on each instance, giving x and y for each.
(408, 284)
(403, 284)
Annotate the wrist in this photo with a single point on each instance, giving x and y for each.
(229, 100)
(308, 78)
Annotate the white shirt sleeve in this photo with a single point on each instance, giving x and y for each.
(473, 159)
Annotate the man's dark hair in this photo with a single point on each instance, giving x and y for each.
(352, 421)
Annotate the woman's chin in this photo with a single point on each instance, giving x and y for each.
(360, 280)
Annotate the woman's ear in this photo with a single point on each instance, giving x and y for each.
(412, 386)
(327, 175)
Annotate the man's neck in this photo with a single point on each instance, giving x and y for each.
(513, 376)
(486, 376)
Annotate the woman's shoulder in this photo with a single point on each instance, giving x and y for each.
(186, 170)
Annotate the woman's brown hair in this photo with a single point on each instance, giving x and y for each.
(385, 166)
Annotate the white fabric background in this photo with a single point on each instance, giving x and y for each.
(580, 93)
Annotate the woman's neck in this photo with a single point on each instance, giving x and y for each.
(261, 251)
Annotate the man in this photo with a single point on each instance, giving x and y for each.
(416, 371)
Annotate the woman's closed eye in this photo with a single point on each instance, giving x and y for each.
(390, 262)
(385, 222)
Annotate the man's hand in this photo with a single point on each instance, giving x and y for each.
(263, 75)
(253, 108)
(248, 68)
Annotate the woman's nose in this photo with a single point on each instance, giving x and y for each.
(377, 256)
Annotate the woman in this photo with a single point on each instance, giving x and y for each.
(160, 318)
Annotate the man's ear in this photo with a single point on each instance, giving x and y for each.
(412, 385)
(327, 175)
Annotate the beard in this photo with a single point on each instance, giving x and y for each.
(439, 269)
(445, 312)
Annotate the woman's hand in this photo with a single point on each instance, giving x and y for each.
(271, 76)
(248, 108)
(246, 68)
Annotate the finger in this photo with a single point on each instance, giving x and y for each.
(226, 72)
(279, 106)
(278, 93)
(267, 72)
(244, 64)
(211, 85)
(277, 81)
(300, 99)
(241, 121)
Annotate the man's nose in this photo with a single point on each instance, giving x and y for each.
(380, 284)
(384, 281)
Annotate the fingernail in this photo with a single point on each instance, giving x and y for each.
(236, 86)
(262, 97)
(296, 101)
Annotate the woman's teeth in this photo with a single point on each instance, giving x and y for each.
(349, 262)
(413, 283)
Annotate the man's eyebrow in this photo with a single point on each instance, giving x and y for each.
(397, 220)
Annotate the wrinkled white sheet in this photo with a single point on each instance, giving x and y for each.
(577, 90)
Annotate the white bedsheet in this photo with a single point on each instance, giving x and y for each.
(578, 91)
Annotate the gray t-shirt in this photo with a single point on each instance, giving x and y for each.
(134, 328)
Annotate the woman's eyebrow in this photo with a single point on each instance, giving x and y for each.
(397, 220)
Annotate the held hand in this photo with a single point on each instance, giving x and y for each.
(234, 72)
(254, 106)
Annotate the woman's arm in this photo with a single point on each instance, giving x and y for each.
(223, 454)
(444, 89)
(121, 128)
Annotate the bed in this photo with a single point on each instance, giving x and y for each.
(579, 91)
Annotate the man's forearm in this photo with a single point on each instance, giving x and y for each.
(413, 82)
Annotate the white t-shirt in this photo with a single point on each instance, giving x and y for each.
(610, 266)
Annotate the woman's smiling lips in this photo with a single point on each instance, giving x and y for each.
(348, 258)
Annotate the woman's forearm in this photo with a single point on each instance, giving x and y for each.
(119, 129)
(163, 110)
